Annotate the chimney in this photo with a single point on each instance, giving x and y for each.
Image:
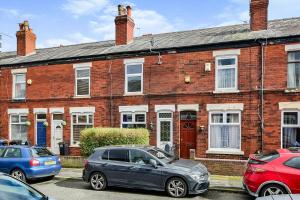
(259, 15)
(25, 40)
(124, 25)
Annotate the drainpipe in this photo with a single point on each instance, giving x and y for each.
(110, 97)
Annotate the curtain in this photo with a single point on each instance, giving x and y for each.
(290, 138)
(226, 78)
(225, 136)
(19, 132)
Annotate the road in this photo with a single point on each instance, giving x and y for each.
(76, 189)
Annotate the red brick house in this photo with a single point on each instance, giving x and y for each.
(222, 92)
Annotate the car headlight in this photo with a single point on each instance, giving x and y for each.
(199, 177)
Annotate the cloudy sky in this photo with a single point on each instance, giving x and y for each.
(63, 22)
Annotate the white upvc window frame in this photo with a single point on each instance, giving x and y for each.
(217, 68)
(133, 118)
(134, 75)
(78, 68)
(14, 86)
(15, 123)
(288, 125)
(226, 150)
(77, 123)
(291, 62)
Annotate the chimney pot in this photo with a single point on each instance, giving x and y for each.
(259, 15)
(129, 11)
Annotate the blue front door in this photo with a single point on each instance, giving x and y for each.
(41, 134)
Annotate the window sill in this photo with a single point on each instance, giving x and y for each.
(75, 145)
(292, 90)
(226, 152)
(134, 94)
(82, 97)
(18, 100)
(225, 91)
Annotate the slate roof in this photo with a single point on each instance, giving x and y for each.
(217, 35)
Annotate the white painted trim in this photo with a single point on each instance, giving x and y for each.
(76, 80)
(225, 152)
(40, 110)
(19, 71)
(134, 61)
(14, 86)
(82, 110)
(159, 108)
(18, 111)
(134, 75)
(230, 52)
(158, 134)
(139, 108)
(82, 65)
(224, 107)
(188, 107)
(292, 47)
(289, 105)
(57, 110)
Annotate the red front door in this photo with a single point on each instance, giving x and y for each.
(188, 130)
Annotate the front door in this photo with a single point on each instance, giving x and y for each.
(41, 134)
(188, 130)
(165, 131)
(56, 135)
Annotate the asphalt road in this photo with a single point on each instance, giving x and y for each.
(75, 189)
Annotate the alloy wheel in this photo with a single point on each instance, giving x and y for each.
(273, 191)
(98, 181)
(176, 188)
(17, 174)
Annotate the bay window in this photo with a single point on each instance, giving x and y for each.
(224, 131)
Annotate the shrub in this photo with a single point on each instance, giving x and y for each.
(98, 137)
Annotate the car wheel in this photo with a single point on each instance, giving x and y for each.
(272, 189)
(176, 187)
(98, 181)
(18, 174)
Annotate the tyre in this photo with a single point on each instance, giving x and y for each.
(272, 189)
(176, 187)
(18, 174)
(98, 181)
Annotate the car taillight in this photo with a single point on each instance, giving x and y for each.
(255, 169)
(85, 164)
(34, 163)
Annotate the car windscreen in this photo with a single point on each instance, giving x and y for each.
(41, 152)
(161, 155)
(12, 189)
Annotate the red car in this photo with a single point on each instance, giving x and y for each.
(274, 173)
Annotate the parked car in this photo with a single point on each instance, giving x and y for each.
(12, 189)
(25, 162)
(3, 142)
(274, 173)
(145, 167)
(281, 197)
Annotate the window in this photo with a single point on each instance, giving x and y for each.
(19, 86)
(290, 129)
(105, 155)
(139, 157)
(79, 123)
(83, 82)
(119, 155)
(41, 152)
(293, 162)
(133, 120)
(294, 70)
(226, 73)
(13, 153)
(134, 78)
(1, 151)
(18, 127)
(225, 130)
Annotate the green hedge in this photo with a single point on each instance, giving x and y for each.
(98, 137)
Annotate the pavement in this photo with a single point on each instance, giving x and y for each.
(217, 182)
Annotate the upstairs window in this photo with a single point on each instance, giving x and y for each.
(293, 70)
(82, 82)
(134, 79)
(19, 86)
(226, 73)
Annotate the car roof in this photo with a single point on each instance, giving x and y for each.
(143, 147)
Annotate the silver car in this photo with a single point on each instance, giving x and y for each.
(281, 197)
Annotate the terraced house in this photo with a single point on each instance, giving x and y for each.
(215, 94)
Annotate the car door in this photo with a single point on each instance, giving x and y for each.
(11, 158)
(141, 173)
(116, 169)
(290, 173)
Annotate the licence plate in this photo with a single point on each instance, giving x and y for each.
(52, 162)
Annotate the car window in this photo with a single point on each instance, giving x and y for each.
(105, 155)
(119, 155)
(293, 162)
(41, 152)
(161, 155)
(13, 153)
(139, 157)
(268, 157)
(1, 151)
(11, 189)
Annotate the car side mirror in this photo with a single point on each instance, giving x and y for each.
(153, 163)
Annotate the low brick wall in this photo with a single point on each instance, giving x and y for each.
(224, 166)
(72, 161)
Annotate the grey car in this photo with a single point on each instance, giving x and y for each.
(281, 197)
(145, 167)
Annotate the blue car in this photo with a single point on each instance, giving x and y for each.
(26, 163)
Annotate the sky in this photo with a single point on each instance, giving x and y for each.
(65, 22)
